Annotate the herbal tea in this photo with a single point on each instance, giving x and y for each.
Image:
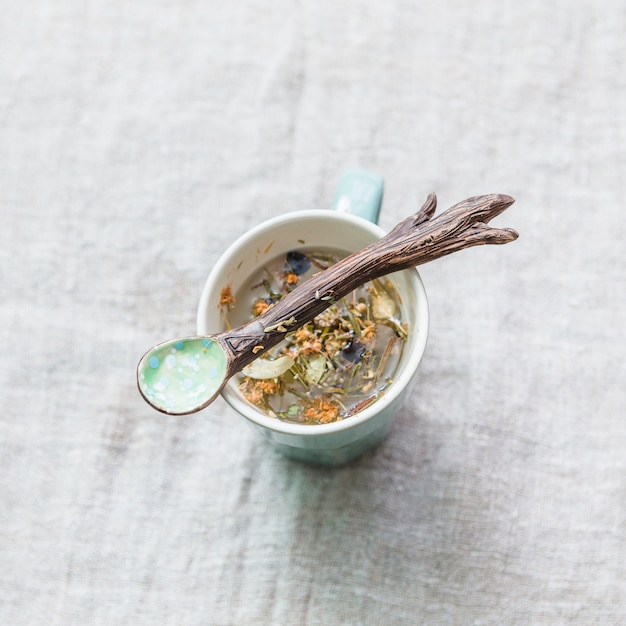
(332, 367)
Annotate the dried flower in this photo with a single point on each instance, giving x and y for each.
(334, 343)
(306, 341)
(290, 279)
(328, 318)
(368, 331)
(269, 387)
(251, 392)
(256, 391)
(259, 307)
(360, 308)
(321, 410)
(226, 296)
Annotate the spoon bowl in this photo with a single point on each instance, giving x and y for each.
(184, 375)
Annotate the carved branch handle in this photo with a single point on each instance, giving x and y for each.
(414, 241)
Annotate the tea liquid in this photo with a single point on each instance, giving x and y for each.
(340, 362)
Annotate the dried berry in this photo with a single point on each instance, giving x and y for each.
(354, 351)
(298, 262)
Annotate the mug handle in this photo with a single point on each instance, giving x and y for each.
(359, 192)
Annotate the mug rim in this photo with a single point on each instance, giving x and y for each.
(412, 359)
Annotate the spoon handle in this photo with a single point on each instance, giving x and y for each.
(414, 241)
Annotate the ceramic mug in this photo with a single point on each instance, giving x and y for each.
(359, 194)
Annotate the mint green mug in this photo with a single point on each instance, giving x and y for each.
(350, 226)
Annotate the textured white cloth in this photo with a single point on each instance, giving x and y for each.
(139, 139)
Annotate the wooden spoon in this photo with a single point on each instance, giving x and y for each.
(185, 375)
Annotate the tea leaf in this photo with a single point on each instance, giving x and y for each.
(281, 326)
(383, 305)
(262, 369)
(385, 309)
(315, 368)
(291, 413)
(271, 292)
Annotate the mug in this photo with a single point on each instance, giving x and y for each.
(349, 226)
